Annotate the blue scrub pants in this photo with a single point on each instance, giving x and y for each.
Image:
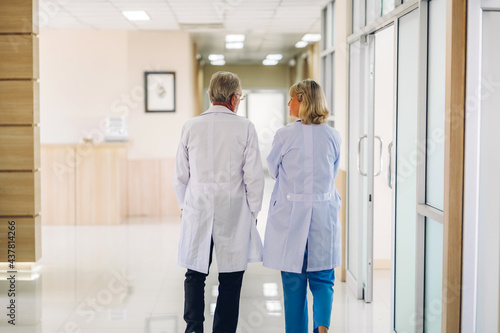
(295, 294)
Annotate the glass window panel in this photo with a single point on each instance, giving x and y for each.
(327, 77)
(332, 25)
(406, 177)
(488, 258)
(358, 15)
(433, 276)
(324, 30)
(328, 26)
(387, 6)
(332, 83)
(373, 10)
(370, 11)
(436, 77)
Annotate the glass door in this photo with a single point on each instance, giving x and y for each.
(405, 182)
(361, 170)
(488, 252)
(358, 165)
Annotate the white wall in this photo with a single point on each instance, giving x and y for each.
(86, 75)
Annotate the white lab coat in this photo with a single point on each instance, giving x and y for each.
(219, 183)
(305, 204)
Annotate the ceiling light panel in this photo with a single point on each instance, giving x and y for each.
(274, 56)
(235, 38)
(218, 62)
(269, 62)
(213, 57)
(237, 45)
(301, 44)
(136, 15)
(311, 37)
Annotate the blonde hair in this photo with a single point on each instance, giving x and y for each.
(313, 107)
(222, 87)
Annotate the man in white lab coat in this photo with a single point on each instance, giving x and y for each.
(219, 183)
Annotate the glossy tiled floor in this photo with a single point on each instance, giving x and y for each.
(125, 279)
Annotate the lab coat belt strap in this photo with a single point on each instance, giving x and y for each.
(309, 197)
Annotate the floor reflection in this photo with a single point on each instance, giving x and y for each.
(125, 279)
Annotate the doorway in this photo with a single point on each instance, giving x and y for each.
(383, 100)
(266, 109)
(371, 127)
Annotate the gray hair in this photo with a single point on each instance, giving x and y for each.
(222, 87)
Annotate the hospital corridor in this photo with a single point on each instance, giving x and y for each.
(116, 118)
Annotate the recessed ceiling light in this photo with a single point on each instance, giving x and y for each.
(218, 62)
(237, 45)
(213, 57)
(274, 56)
(136, 15)
(301, 44)
(235, 38)
(269, 62)
(311, 37)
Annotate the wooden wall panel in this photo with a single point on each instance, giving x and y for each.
(27, 238)
(98, 183)
(20, 193)
(19, 57)
(19, 102)
(169, 204)
(20, 183)
(456, 48)
(123, 166)
(19, 16)
(58, 182)
(19, 148)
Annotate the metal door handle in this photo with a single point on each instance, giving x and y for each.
(389, 166)
(381, 160)
(359, 154)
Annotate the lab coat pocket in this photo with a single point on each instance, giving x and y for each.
(255, 246)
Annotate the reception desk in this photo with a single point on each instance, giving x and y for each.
(96, 184)
(84, 184)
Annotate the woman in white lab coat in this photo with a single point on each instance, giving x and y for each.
(303, 233)
(219, 184)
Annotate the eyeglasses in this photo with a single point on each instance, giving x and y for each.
(241, 96)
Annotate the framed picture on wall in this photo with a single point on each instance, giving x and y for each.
(159, 91)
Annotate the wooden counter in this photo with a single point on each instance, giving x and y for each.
(84, 184)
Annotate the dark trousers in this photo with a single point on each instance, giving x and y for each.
(228, 301)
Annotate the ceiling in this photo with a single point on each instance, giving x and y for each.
(270, 26)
